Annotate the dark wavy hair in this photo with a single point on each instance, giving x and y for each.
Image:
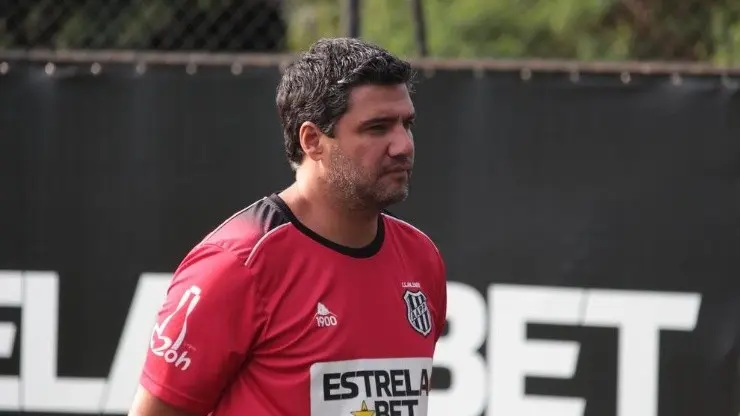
(316, 86)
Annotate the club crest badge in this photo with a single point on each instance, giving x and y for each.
(417, 311)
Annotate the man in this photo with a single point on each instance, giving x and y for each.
(313, 301)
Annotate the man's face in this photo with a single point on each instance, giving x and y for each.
(372, 153)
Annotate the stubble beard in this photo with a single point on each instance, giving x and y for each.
(358, 191)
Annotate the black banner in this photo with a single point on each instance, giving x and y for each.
(591, 229)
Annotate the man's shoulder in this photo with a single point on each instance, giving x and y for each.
(223, 258)
(409, 233)
(245, 229)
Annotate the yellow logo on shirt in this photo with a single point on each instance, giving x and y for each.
(363, 411)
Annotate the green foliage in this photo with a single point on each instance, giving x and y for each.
(694, 30)
(689, 30)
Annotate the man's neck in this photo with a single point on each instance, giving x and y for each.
(332, 220)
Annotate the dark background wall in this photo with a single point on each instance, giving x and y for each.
(595, 184)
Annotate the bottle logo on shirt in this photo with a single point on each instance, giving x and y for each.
(167, 340)
(324, 317)
(417, 311)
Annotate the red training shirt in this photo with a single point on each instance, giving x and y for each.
(266, 318)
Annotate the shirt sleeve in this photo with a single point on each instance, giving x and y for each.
(441, 307)
(207, 325)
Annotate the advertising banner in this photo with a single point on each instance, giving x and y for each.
(591, 230)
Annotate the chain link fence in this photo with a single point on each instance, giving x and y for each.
(223, 25)
(608, 30)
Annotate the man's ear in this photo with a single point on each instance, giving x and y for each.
(309, 135)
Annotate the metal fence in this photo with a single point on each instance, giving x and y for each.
(613, 30)
(137, 24)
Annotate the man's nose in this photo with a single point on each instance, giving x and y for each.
(402, 143)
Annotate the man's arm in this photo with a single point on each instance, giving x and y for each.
(206, 327)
